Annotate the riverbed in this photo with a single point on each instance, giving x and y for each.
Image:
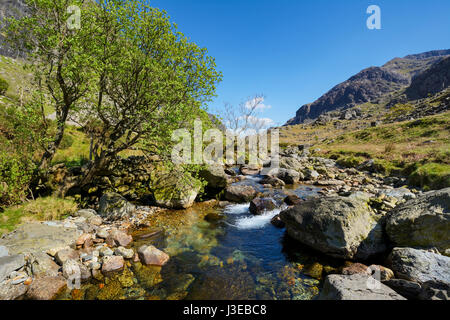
(219, 253)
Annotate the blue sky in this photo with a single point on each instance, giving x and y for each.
(294, 51)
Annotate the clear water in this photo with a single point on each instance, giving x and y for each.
(220, 254)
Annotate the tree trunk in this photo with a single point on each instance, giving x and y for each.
(54, 145)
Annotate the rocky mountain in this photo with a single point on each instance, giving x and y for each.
(431, 81)
(9, 8)
(373, 83)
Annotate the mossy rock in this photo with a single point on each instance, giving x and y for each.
(174, 189)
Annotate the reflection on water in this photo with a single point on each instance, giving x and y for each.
(220, 254)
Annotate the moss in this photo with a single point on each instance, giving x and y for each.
(111, 291)
(431, 176)
(4, 85)
(387, 167)
(350, 161)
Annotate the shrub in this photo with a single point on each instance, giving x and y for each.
(350, 161)
(4, 85)
(398, 110)
(15, 176)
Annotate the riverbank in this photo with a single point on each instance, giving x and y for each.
(344, 228)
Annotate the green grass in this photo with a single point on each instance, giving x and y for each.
(74, 148)
(18, 78)
(418, 149)
(41, 209)
(431, 176)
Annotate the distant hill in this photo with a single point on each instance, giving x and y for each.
(376, 82)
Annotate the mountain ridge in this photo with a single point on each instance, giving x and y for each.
(371, 84)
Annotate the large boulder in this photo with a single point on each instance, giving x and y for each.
(291, 163)
(419, 265)
(341, 227)
(174, 189)
(46, 288)
(240, 194)
(422, 222)
(356, 287)
(39, 237)
(112, 264)
(215, 176)
(42, 265)
(113, 207)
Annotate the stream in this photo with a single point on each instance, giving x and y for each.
(219, 254)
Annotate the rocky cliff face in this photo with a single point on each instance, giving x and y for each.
(9, 8)
(375, 82)
(431, 81)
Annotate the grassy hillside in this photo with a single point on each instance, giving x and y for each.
(13, 71)
(419, 149)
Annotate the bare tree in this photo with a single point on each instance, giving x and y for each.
(243, 119)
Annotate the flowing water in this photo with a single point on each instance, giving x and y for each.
(222, 254)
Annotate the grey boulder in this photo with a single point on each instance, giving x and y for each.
(340, 227)
(419, 265)
(356, 287)
(113, 207)
(422, 222)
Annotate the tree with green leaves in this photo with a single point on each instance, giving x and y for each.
(128, 74)
(59, 57)
(151, 81)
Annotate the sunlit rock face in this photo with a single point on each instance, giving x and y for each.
(10, 8)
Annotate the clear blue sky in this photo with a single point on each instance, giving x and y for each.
(294, 51)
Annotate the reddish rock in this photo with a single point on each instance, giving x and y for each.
(240, 194)
(151, 256)
(110, 241)
(46, 288)
(112, 263)
(121, 238)
(356, 268)
(83, 238)
(89, 243)
(292, 200)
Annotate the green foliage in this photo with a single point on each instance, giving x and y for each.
(22, 134)
(398, 110)
(59, 58)
(128, 73)
(15, 176)
(431, 176)
(350, 161)
(4, 85)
